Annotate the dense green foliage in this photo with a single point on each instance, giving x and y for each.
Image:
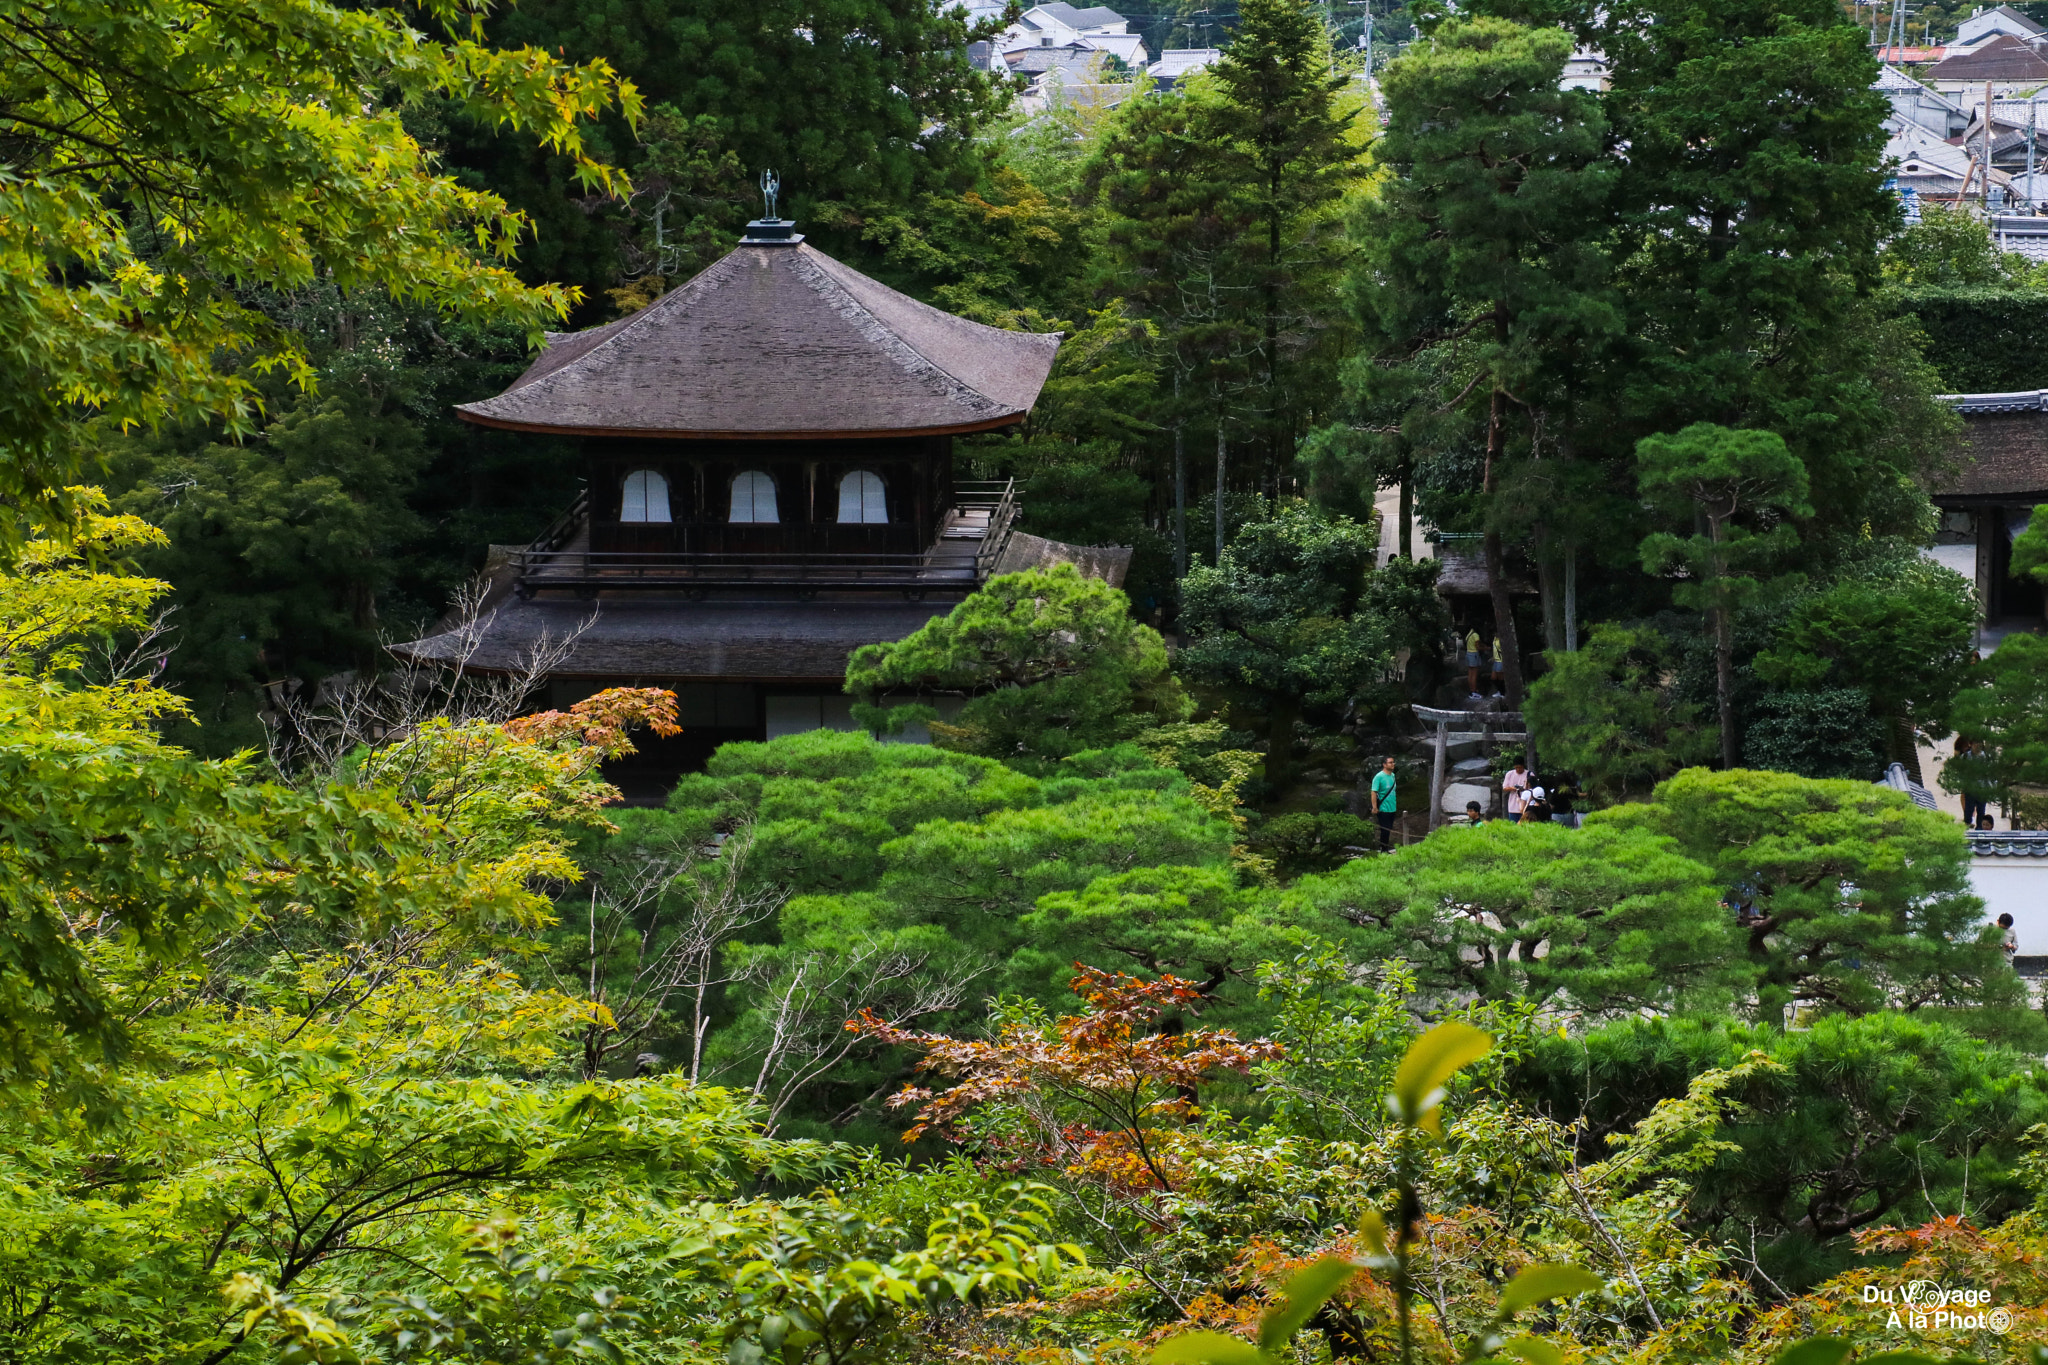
(1051, 662)
(1481, 280)
(2005, 714)
(1626, 919)
(381, 1099)
(1064, 1040)
(1720, 480)
(1861, 899)
(1861, 1120)
(167, 158)
(1607, 713)
(1283, 617)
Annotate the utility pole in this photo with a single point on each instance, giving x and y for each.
(1987, 148)
(1365, 37)
(1895, 35)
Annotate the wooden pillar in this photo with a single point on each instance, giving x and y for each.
(1436, 774)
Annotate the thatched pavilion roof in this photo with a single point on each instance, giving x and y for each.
(777, 340)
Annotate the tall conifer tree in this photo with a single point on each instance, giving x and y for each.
(1481, 258)
(1287, 137)
(1178, 224)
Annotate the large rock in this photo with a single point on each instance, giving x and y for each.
(1456, 794)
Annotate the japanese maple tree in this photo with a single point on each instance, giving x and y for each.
(1098, 1086)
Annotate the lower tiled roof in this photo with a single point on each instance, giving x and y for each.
(2011, 843)
(2004, 451)
(674, 639)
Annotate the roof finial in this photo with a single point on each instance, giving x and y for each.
(771, 231)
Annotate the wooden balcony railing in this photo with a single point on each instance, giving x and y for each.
(970, 541)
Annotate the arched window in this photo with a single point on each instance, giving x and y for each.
(644, 497)
(753, 497)
(861, 498)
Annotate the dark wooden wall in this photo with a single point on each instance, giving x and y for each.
(916, 472)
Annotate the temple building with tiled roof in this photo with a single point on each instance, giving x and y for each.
(1999, 475)
(768, 485)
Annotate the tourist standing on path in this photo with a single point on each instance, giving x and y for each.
(1383, 804)
(1565, 794)
(2011, 940)
(1515, 787)
(1472, 661)
(1500, 678)
(1973, 803)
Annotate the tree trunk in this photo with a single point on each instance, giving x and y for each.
(1724, 682)
(1724, 644)
(1571, 600)
(1551, 592)
(1180, 504)
(1496, 571)
(1407, 505)
(1280, 742)
(1221, 449)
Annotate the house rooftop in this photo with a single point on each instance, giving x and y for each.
(777, 341)
(2012, 16)
(2004, 58)
(1097, 16)
(1078, 59)
(1175, 62)
(1889, 77)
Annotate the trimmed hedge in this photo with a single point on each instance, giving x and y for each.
(1982, 339)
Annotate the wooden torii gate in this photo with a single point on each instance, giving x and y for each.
(1485, 726)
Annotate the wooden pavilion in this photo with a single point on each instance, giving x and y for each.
(768, 484)
(1999, 476)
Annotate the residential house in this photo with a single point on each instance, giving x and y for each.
(1936, 169)
(1585, 69)
(2014, 124)
(1076, 63)
(1916, 105)
(1059, 24)
(1983, 25)
(1911, 56)
(2005, 64)
(1176, 62)
(2023, 234)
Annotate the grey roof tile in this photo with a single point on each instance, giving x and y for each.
(777, 341)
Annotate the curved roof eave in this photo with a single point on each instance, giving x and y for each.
(465, 412)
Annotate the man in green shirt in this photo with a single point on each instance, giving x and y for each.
(1383, 804)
